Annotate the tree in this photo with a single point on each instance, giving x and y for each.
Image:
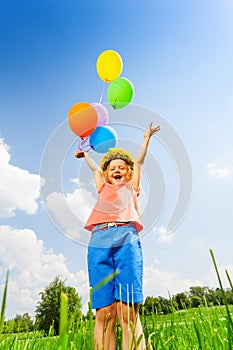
(152, 305)
(48, 309)
(9, 326)
(198, 291)
(157, 306)
(182, 301)
(229, 296)
(166, 305)
(196, 301)
(148, 305)
(23, 323)
(211, 297)
(219, 298)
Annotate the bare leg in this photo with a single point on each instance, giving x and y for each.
(129, 320)
(104, 331)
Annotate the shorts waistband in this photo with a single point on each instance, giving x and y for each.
(106, 225)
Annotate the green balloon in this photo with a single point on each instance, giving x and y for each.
(120, 93)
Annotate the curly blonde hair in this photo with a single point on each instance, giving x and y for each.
(116, 153)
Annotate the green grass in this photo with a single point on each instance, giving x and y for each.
(3, 308)
(203, 328)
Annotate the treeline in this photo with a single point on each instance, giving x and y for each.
(20, 324)
(47, 311)
(196, 296)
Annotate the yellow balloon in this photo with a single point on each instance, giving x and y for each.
(109, 65)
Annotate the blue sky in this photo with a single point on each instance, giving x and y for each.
(178, 54)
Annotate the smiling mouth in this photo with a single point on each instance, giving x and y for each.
(117, 177)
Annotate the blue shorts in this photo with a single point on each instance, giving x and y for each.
(115, 250)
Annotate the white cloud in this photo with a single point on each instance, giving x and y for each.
(76, 181)
(32, 268)
(210, 279)
(156, 261)
(18, 188)
(164, 235)
(220, 173)
(157, 282)
(162, 283)
(81, 203)
(70, 211)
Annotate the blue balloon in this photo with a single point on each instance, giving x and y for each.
(103, 138)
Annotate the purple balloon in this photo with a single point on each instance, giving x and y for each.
(102, 113)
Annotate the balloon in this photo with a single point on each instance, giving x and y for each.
(103, 138)
(82, 119)
(120, 93)
(109, 65)
(102, 113)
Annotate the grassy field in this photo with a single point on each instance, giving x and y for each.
(202, 328)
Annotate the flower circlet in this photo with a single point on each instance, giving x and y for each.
(116, 153)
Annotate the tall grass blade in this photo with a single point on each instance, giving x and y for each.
(122, 315)
(105, 281)
(230, 322)
(149, 341)
(91, 321)
(26, 346)
(198, 335)
(139, 340)
(63, 323)
(128, 315)
(3, 308)
(229, 280)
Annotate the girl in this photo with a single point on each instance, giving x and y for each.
(114, 249)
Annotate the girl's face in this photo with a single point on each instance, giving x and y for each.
(118, 172)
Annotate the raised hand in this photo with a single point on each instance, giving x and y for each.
(151, 130)
(79, 154)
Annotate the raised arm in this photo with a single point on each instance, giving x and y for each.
(95, 169)
(142, 154)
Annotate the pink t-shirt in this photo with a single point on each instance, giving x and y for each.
(116, 203)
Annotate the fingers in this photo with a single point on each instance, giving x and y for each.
(152, 130)
(79, 154)
(157, 128)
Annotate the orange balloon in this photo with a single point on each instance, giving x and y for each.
(82, 119)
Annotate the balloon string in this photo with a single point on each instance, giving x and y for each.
(114, 105)
(101, 97)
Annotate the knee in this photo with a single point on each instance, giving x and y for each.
(127, 313)
(106, 314)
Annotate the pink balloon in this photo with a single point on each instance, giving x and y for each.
(102, 113)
